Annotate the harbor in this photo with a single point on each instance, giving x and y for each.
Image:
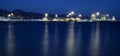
(70, 17)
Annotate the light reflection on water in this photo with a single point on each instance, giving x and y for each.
(59, 39)
(56, 38)
(95, 40)
(78, 41)
(70, 41)
(10, 41)
(45, 40)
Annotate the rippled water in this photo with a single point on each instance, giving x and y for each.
(59, 39)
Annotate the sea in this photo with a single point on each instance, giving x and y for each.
(34, 38)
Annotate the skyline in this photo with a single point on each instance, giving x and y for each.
(84, 7)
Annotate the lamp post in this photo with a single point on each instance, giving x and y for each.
(55, 19)
(56, 15)
(12, 14)
(67, 16)
(107, 16)
(9, 15)
(72, 12)
(46, 15)
(97, 15)
(79, 15)
(113, 18)
(93, 17)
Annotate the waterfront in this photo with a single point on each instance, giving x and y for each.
(33, 38)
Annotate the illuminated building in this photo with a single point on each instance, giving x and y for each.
(93, 17)
(46, 17)
(113, 18)
(103, 17)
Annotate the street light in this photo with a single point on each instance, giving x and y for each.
(45, 18)
(93, 15)
(9, 15)
(97, 16)
(97, 13)
(79, 15)
(72, 12)
(12, 14)
(56, 15)
(113, 18)
(67, 15)
(46, 14)
(107, 15)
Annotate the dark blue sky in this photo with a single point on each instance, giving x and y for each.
(85, 7)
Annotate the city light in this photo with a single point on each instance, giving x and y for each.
(12, 14)
(45, 18)
(80, 15)
(9, 15)
(72, 12)
(93, 15)
(67, 15)
(113, 18)
(107, 15)
(97, 13)
(46, 14)
(56, 15)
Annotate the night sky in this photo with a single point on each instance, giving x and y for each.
(85, 7)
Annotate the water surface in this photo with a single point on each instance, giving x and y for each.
(59, 39)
